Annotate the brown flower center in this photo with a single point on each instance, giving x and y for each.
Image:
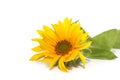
(63, 47)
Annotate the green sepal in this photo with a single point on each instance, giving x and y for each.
(73, 63)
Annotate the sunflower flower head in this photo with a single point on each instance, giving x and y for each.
(61, 44)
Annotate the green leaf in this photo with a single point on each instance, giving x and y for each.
(105, 40)
(100, 54)
(117, 43)
(102, 45)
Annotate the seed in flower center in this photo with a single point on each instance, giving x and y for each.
(63, 46)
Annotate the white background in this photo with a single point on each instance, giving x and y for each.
(19, 20)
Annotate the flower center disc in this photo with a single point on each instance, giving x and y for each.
(63, 47)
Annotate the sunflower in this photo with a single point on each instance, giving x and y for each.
(62, 43)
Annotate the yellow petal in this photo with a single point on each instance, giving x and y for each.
(36, 39)
(67, 21)
(40, 32)
(46, 46)
(84, 37)
(84, 46)
(46, 59)
(66, 26)
(70, 32)
(82, 58)
(37, 56)
(47, 36)
(50, 42)
(61, 65)
(58, 30)
(50, 33)
(37, 49)
(78, 38)
(51, 54)
(53, 61)
(75, 33)
(47, 40)
(72, 56)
